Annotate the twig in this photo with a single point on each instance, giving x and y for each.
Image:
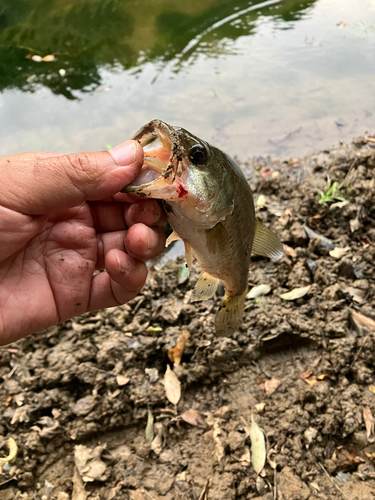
(148, 494)
(332, 481)
(203, 496)
(369, 139)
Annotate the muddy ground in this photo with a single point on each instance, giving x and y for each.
(76, 398)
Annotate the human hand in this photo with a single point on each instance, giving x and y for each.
(60, 219)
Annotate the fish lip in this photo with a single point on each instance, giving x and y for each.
(168, 172)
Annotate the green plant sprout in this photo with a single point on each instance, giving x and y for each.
(332, 192)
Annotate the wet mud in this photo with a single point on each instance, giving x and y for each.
(86, 403)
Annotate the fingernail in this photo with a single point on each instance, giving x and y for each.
(125, 265)
(152, 239)
(124, 154)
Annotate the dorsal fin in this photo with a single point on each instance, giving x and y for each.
(266, 242)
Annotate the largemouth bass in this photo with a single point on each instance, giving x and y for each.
(210, 207)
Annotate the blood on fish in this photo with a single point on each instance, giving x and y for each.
(182, 191)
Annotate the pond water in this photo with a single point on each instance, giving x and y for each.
(279, 77)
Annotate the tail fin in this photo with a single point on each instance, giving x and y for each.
(229, 315)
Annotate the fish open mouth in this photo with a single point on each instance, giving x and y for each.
(158, 177)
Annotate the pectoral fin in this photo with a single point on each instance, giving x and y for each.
(188, 254)
(205, 288)
(172, 237)
(266, 243)
(229, 315)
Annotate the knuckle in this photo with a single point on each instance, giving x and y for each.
(82, 168)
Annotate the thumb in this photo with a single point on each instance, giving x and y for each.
(41, 183)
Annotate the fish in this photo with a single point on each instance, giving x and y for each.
(209, 205)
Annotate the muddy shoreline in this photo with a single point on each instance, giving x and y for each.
(77, 397)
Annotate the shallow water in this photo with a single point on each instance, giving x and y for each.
(276, 77)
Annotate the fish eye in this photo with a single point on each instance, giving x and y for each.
(198, 154)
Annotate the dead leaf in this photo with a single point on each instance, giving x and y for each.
(157, 443)
(311, 380)
(261, 201)
(296, 293)
(357, 294)
(370, 423)
(224, 412)
(337, 252)
(194, 417)
(122, 380)
(172, 386)
(290, 252)
(260, 407)
(354, 225)
(49, 58)
(12, 455)
(79, 492)
(306, 374)
(258, 291)
(372, 388)
(270, 386)
(258, 446)
(150, 426)
(346, 460)
(363, 321)
(176, 353)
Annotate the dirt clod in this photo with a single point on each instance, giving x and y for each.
(76, 398)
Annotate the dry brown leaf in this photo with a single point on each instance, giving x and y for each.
(260, 407)
(176, 353)
(372, 388)
(296, 293)
(224, 412)
(306, 374)
(363, 321)
(258, 446)
(346, 460)
(194, 417)
(270, 386)
(337, 252)
(172, 386)
(49, 58)
(290, 252)
(122, 380)
(369, 423)
(158, 442)
(311, 380)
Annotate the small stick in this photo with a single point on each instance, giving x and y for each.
(333, 482)
(370, 139)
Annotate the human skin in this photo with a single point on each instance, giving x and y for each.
(61, 218)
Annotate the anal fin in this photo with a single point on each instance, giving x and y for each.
(205, 288)
(266, 242)
(229, 316)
